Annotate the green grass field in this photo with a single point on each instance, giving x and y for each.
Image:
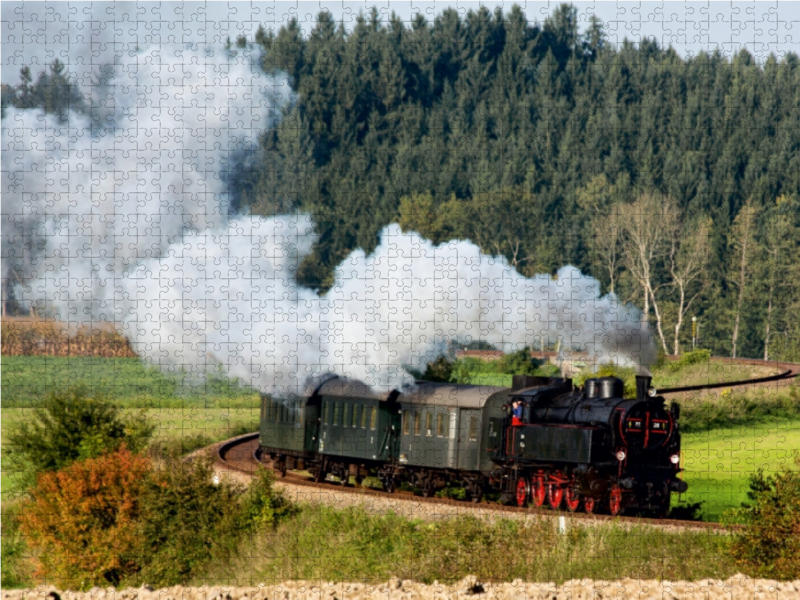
(718, 462)
(127, 381)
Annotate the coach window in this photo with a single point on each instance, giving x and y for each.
(281, 413)
(364, 413)
(428, 423)
(406, 422)
(473, 429)
(354, 422)
(336, 408)
(440, 426)
(373, 422)
(417, 422)
(325, 413)
(346, 416)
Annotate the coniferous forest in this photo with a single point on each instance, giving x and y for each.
(674, 181)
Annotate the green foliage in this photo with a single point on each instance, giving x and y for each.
(696, 357)
(186, 521)
(13, 550)
(440, 370)
(70, 425)
(518, 363)
(769, 547)
(264, 506)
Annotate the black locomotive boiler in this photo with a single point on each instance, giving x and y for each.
(583, 449)
(590, 448)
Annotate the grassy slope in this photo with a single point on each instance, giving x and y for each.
(361, 547)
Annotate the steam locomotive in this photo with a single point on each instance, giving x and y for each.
(585, 449)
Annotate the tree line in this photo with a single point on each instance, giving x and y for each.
(674, 181)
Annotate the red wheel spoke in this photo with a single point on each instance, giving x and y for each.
(615, 500)
(522, 491)
(572, 497)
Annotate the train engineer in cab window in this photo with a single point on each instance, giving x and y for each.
(516, 413)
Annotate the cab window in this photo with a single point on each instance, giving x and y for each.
(406, 422)
(346, 416)
(336, 413)
(326, 413)
(364, 413)
(417, 422)
(354, 422)
(428, 423)
(373, 422)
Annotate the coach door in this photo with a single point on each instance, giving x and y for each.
(469, 432)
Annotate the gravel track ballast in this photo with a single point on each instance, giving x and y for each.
(735, 588)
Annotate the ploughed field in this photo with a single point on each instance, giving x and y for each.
(717, 459)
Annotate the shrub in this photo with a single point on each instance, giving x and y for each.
(263, 505)
(186, 521)
(71, 426)
(82, 520)
(13, 549)
(695, 357)
(770, 544)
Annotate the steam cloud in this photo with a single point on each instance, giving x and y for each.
(127, 221)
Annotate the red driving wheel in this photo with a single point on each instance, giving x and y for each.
(589, 504)
(572, 496)
(538, 490)
(522, 491)
(555, 494)
(615, 500)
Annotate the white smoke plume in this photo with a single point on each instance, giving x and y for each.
(229, 295)
(127, 221)
(86, 199)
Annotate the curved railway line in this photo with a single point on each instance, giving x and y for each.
(242, 454)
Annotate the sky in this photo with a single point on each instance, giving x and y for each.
(84, 34)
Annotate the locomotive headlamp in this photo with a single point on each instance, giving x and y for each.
(621, 455)
(652, 392)
(675, 459)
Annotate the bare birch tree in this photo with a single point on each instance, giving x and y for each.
(744, 245)
(649, 225)
(688, 262)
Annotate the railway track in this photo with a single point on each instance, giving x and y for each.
(241, 454)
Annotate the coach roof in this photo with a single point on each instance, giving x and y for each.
(425, 393)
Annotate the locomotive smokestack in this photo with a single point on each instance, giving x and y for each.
(642, 385)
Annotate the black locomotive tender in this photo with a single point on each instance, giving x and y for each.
(588, 448)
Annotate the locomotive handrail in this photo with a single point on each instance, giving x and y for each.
(710, 386)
